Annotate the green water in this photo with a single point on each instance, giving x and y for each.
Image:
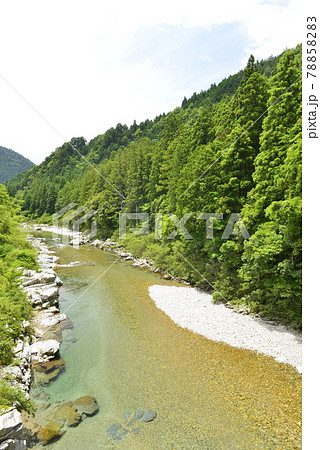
(130, 356)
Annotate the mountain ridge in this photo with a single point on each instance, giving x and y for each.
(12, 163)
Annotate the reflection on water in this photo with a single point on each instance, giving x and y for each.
(130, 356)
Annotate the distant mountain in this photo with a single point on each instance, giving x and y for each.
(12, 163)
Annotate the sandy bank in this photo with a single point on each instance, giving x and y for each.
(193, 309)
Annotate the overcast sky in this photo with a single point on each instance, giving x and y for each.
(86, 66)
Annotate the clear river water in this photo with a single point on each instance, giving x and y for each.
(129, 355)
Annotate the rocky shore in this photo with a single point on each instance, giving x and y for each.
(193, 309)
(78, 238)
(38, 361)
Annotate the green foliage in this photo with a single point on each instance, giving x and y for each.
(235, 148)
(14, 252)
(10, 396)
(12, 163)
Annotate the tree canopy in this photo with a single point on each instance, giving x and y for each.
(233, 149)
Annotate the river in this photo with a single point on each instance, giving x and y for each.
(129, 355)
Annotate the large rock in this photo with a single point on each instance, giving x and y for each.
(29, 273)
(50, 431)
(10, 425)
(48, 319)
(51, 326)
(13, 444)
(44, 350)
(48, 371)
(86, 405)
(68, 414)
(14, 371)
(47, 276)
(34, 298)
(49, 293)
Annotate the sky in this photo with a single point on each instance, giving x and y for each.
(76, 68)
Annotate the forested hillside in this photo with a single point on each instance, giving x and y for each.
(12, 163)
(235, 148)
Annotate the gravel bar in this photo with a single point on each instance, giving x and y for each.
(193, 309)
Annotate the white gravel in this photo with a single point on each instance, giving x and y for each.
(194, 310)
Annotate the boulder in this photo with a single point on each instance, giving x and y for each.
(10, 425)
(66, 414)
(58, 281)
(13, 444)
(86, 405)
(47, 276)
(44, 350)
(34, 298)
(49, 293)
(50, 431)
(29, 273)
(148, 416)
(48, 319)
(48, 371)
(62, 416)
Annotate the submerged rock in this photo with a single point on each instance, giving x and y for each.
(48, 371)
(86, 405)
(117, 431)
(148, 416)
(69, 414)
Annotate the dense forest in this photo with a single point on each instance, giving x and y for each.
(12, 163)
(233, 149)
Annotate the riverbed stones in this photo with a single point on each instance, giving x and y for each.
(46, 277)
(148, 416)
(48, 371)
(118, 431)
(86, 405)
(42, 290)
(69, 414)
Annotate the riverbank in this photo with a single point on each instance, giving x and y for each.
(34, 345)
(193, 309)
(38, 362)
(130, 356)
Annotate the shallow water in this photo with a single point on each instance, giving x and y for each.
(130, 356)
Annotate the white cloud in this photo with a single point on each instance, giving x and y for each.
(70, 60)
